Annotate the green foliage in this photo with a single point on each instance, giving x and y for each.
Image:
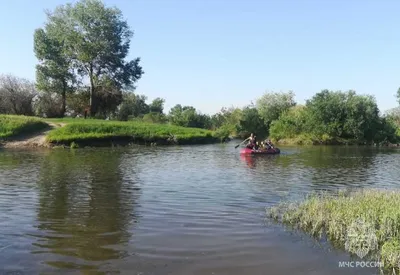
(157, 105)
(97, 129)
(251, 122)
(55, 73)
(96, 39)
(155, 117)
(226, 122)
(335, 117)
(48, 104)
(344, 115)
(11, 125)
(224, 132)
(73, 145)
(187, 116)
(367, 219)
(290, 124)
(132, 106)
(77, 102)
(271, 105)
(398, 95)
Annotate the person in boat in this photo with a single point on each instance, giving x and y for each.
(252, 142)
(269, 144)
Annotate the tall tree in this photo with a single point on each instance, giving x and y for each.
(252, 122)
(157, 105)
(98, 39)
(54, 74)
(271, 105)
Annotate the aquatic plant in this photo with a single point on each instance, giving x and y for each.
(364, 222)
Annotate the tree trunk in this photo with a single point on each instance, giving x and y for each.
(63, 99)
(92, 93)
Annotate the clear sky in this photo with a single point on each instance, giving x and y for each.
(215, 53)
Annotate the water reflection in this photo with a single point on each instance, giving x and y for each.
(252, 161)
(201, 208)
(297, 172)
(86, 209)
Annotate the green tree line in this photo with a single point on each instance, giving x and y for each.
(83, 70)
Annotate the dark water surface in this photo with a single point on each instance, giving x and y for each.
(172, 210)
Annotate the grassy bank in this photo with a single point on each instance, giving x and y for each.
(307, 139)
(365, 223)
(16, 125)
(104, 133)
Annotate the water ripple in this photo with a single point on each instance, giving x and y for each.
(171, 210)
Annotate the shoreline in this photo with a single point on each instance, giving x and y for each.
(78, 135)
(126, 141)
(334, 142)
(348, 219)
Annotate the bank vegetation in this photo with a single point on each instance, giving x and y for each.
(365, 223)
(84, 71)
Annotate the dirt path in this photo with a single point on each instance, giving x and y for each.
(37, 139)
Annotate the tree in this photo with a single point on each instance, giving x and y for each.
(252, 122)
(398, 95)
(97, 39)
(16, 95)
(157, 105)
(175, 115)
(344, 115)
(271, 105)
(77, 102)
(187, 116)
(132, 106)
(290, 124)
(48, 104)
(109, 98)
(54, 74)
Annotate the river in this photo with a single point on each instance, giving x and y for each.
(172, 210)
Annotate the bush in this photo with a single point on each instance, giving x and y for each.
(335, 118)
(48, 105)
(16, 95)
(154, 117)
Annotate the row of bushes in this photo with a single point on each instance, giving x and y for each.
(335, 117)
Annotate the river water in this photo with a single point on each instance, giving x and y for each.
(172, 210)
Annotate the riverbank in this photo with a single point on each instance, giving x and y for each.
(11, 126)
(18, 131)
(365, 223)
(109, 133)
(325, 140)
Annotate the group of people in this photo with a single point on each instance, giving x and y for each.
(254, 145)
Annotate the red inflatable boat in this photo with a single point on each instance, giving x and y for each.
(247, 151)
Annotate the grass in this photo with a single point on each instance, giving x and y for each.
(88, 131)
(12, 125)
(77, 132)
(365, 223)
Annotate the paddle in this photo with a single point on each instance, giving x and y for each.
(241, 143)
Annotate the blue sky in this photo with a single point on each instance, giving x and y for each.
(211, 54)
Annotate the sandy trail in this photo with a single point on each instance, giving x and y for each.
(37, 139)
